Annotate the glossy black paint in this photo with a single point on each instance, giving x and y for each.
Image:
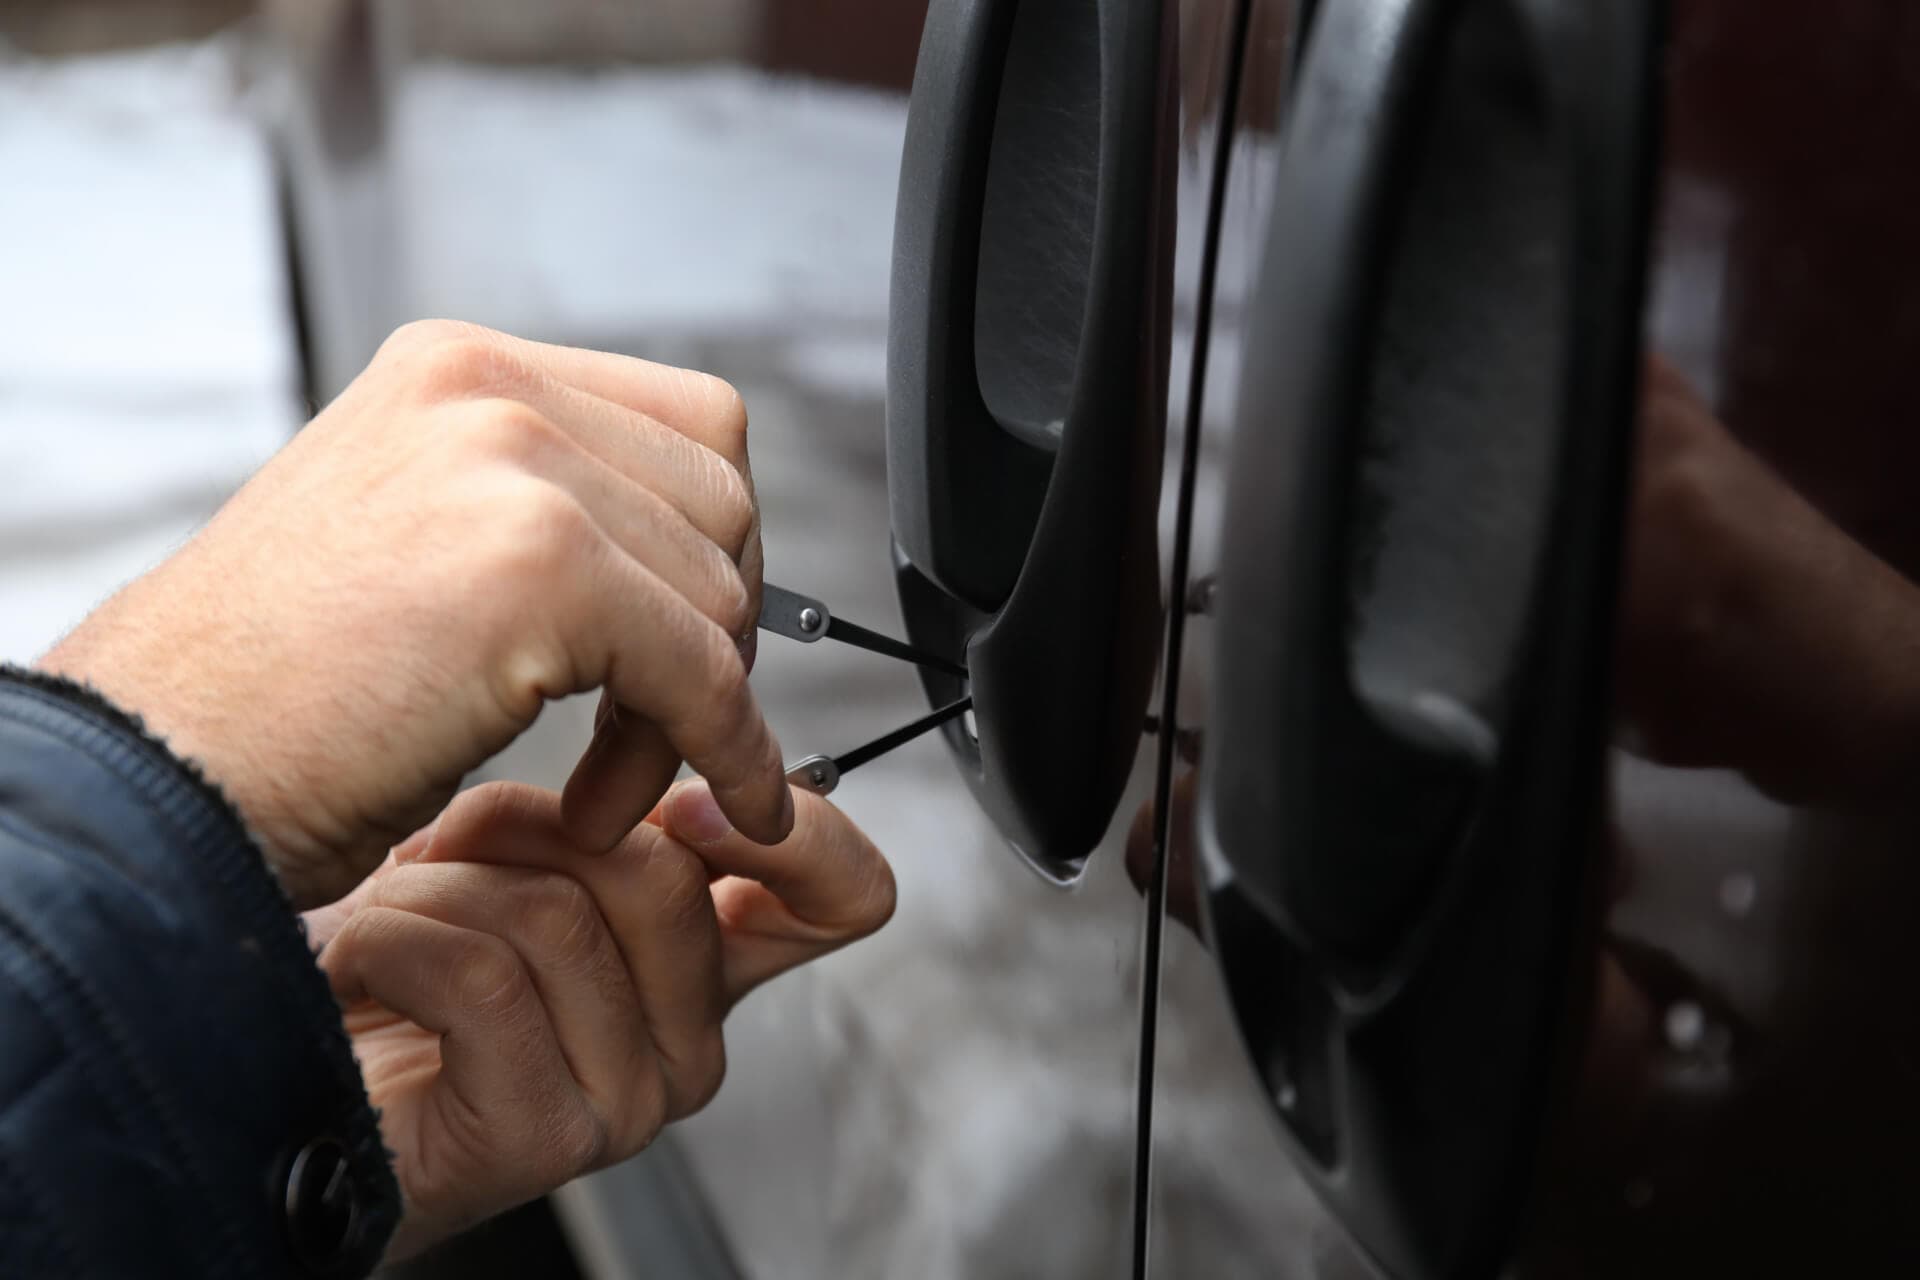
(1705, 1070)
(1426, 473)
(1746, 1104)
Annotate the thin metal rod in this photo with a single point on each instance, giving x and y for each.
(872, 641)
(906, 733)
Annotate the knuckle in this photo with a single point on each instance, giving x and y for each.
(461, 361)
(727, 671)
(1699, 627)
(727, 411)
(730, 408)
(373, 932)
(487, 977)
(534, 669)
(733, 609)
(704, 1071)
(581, 1141)
(481, 807)
(734, 512)
(721, 709)
(720, 672)
(558, 915)
(647, 1105)
(342, 952)
(1684, 502)
(417, 335)
(542, 536)
(704, 708)
(392, 890)
(684, 900)
(502, 429)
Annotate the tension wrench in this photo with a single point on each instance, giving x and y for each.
(802, 618)
(797, 617)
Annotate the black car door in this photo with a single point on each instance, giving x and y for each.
(1408, 480)
(1539, 873)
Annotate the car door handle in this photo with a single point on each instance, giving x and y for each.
(1027, 353)
(1425, 480)
(1437, 353)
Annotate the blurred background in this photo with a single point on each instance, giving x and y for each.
(215, 210)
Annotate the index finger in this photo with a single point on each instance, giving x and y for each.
(632, 634)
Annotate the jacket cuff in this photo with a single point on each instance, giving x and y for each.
(183, 1070)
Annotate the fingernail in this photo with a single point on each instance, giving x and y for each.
(695, 815)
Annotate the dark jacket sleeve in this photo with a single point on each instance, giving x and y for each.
(177, 1095)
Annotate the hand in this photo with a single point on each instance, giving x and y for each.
(476, 525)
(1182, 892)
(1755, 633)
(524, 1012)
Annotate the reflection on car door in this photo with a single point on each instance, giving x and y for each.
(1657, 1023)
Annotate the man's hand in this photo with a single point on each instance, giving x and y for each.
(1756, 634)
(478, 524)
(524, 1012)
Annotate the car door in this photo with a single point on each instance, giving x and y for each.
(1538, 870)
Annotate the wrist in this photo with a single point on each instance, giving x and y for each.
(136, 689)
